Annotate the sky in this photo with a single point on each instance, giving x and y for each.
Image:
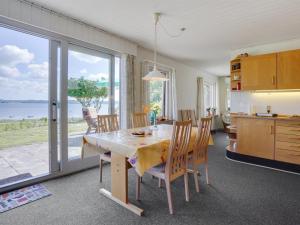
(24, 65)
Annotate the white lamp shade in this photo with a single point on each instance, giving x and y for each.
(155, 75)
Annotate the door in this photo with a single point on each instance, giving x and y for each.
(255, 137)
(89, 87)
(259, 72)
(28, 140)
(288, 75)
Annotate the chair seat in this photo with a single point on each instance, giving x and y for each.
(106, 156)
(158, 171)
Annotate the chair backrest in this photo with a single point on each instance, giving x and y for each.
(188, 114)
(202, 140)
(90, 116)
(139, 119)
(176, 164)
(108, 123)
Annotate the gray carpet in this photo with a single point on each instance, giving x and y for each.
(238, 194)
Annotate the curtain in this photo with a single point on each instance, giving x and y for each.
(127, 90)
(200, 98)
(170, 96)
(146, 67)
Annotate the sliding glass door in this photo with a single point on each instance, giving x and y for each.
(27, 126)
(47, 86)
(88, 93)
(89, 87)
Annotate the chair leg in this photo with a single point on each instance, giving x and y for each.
(138, 187)
(169, 194)
(206, 171)
(196, 181)
(141, 179)
(100, 169)
(159, 182)
(186, 187)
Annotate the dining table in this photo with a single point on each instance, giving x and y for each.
(131, 151)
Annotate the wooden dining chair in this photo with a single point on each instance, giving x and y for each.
(176, 163)
(106, 123)
(199, 154)
(139, 119)
(188, 114)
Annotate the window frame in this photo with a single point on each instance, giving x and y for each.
(213, 94)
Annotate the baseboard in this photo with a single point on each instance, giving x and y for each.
(267, 163)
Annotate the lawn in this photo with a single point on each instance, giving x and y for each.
(25, 132)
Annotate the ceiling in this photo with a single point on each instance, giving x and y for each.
(214, 28)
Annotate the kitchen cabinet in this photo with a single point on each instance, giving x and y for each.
(256, 137)
(288, 70)
(287, 145)
(259, 72)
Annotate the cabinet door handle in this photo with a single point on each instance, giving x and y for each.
(295, 146)
(274, 80)
(294, 139)
(295, 130)
(272, 129)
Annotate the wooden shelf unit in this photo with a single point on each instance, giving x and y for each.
(235, 74)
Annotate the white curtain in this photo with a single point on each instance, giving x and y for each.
(127, 90)
(200, 98)
(171, 97)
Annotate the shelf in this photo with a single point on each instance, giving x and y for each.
(235, 90)
(235, 73)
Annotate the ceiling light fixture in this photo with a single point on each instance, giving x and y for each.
(155, 74)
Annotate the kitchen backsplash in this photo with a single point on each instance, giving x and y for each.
(280, 102)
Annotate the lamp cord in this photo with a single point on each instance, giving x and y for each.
(155, 43)
(168, 33)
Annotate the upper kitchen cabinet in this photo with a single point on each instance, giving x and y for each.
(259, 72)
(288, 70)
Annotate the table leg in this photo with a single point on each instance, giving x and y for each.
(119, 183)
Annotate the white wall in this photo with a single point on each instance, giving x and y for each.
(36, 16)
(283, 102)
(60, 24)
(186, 78)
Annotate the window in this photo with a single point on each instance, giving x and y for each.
(228, 93)
(117, 86)
(209, 96)
(157, 95)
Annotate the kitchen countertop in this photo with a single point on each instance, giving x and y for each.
(280, 117)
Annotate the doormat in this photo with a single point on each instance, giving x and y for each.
(22, 196)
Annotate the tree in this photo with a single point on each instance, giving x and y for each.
(87, 92)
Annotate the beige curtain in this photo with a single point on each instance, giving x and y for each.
(146, 67)
(127, 90)
(200, 98)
